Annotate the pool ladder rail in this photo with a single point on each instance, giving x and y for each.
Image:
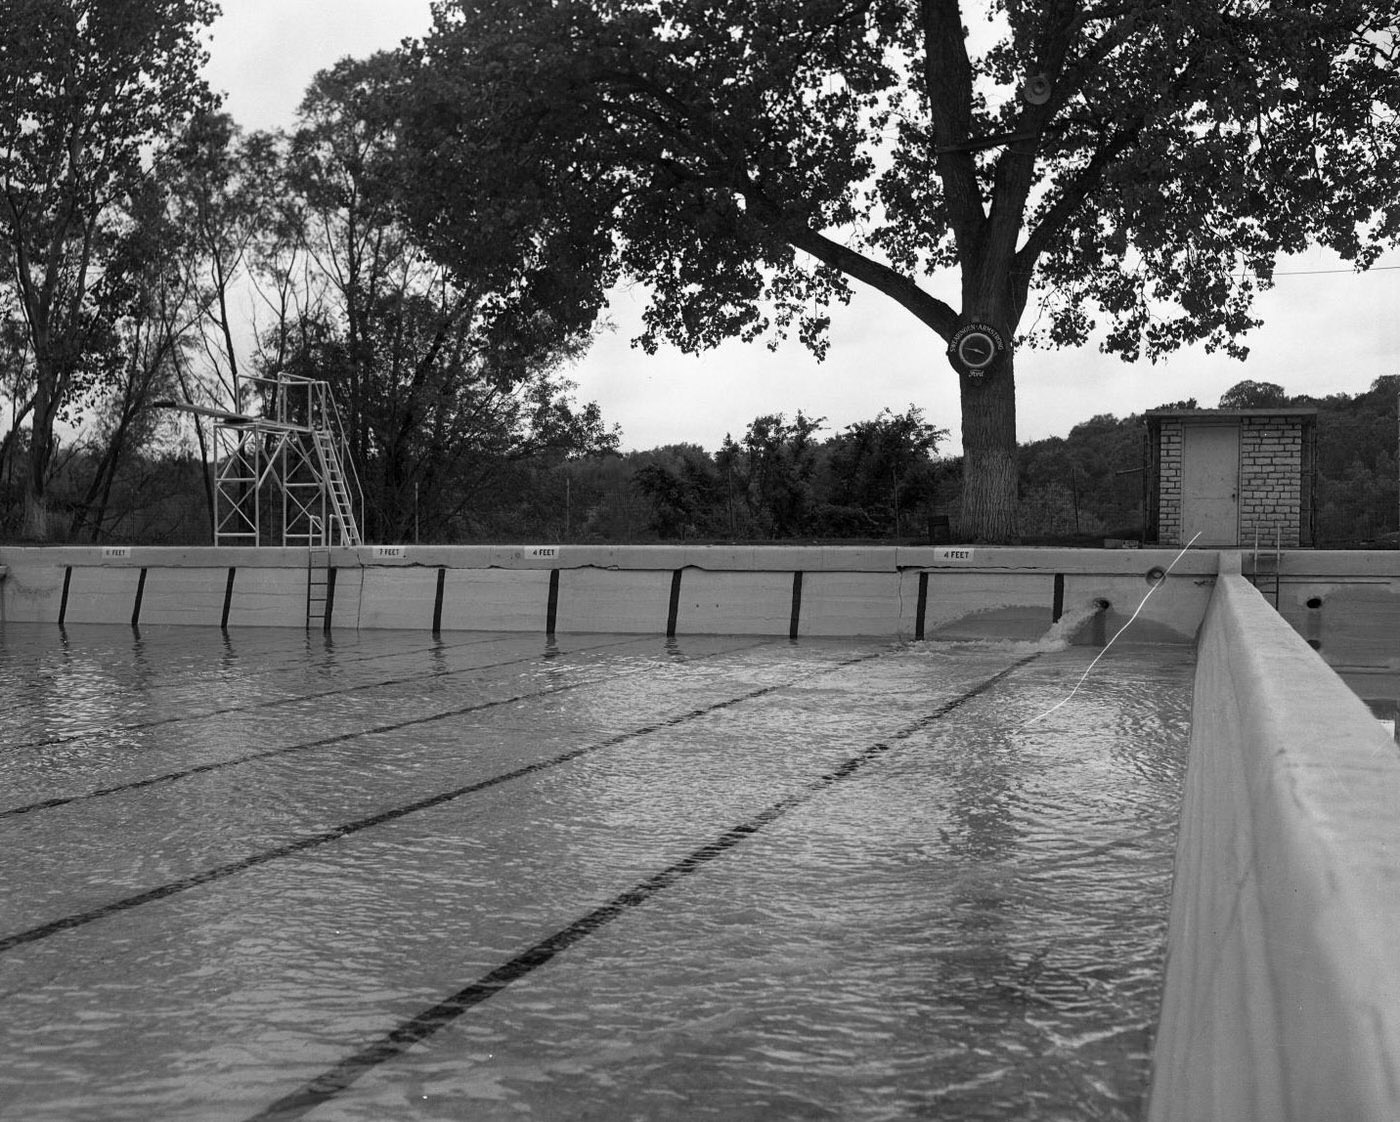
(337, 486)
(1266, 567)
(320, 589)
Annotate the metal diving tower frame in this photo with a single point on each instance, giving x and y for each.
(284, 477)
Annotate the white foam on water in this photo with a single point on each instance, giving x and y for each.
(1136, 611)
(1058, 638)
(1063, 631)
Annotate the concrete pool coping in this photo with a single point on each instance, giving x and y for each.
(859, 591)
(1282, 998)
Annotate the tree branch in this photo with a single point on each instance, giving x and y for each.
(948, 83)
(1075, 194)
(929, 309)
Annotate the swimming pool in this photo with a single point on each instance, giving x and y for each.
(267, 874)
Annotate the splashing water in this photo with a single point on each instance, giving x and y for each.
(1060, 635)
(1136, 612)
(1063, 631)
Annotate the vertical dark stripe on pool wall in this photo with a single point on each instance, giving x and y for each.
(552, 612)
(228, 597)
(674, 610)
(437, 600)
(140, 595)
(923, 606)
(330, 599)
(796, 604)
(63, 604)
(1059, 609)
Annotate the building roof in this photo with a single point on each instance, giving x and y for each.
(1231, 414)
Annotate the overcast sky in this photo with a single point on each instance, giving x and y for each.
(1326, 330)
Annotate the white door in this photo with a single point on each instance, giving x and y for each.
(1210, 484)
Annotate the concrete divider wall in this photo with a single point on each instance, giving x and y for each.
(1346, 603)
(1352, 617)
(1282, 988)
(796, 591)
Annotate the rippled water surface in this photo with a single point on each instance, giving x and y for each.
(381, 876)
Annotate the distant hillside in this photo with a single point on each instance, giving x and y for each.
(794, 479)
(882, 480)
(1089, 484)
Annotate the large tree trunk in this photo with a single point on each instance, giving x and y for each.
(36, 503)
(36, 515)
(989, 455)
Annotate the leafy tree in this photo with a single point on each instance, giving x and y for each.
(86, 86)
(1254, 395)
(17, 391)
(684, 488)
(773, 467)
(1089, 483)
(748, 161)
(881, 474)
(443, 396)
(151, 497)
(604, 504)
(150, 323)
(222, 190)
(1356, 463)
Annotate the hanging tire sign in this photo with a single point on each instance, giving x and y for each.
(976, 348)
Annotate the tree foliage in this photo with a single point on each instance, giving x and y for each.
(86, 87)
(1254, 395)
(748, 161)
(875, 480)
(1357, 470)
(882, 474)
(441, 391)
(218, 261)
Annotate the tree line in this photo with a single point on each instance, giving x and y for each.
(786, 478)
(1089, 484)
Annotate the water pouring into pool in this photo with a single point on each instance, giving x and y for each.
(383, 876)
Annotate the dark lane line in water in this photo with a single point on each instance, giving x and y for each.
(68, 739)
(424, 1024)
(321, 648)
(324, 741)
(312, 841)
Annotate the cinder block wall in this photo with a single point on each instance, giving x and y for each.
(1169, 482)
(1271, 473)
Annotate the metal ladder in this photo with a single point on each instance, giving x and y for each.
(1267, 567)
(319, 588)
(337, 487)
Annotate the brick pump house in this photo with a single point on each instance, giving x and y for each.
(1239, 477)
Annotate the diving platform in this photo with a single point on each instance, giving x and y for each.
(284, 476)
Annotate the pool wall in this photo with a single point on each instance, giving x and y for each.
(1345, 603)
(942, 592)
(1282, 993)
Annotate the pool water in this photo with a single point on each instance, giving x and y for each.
(277, 875)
